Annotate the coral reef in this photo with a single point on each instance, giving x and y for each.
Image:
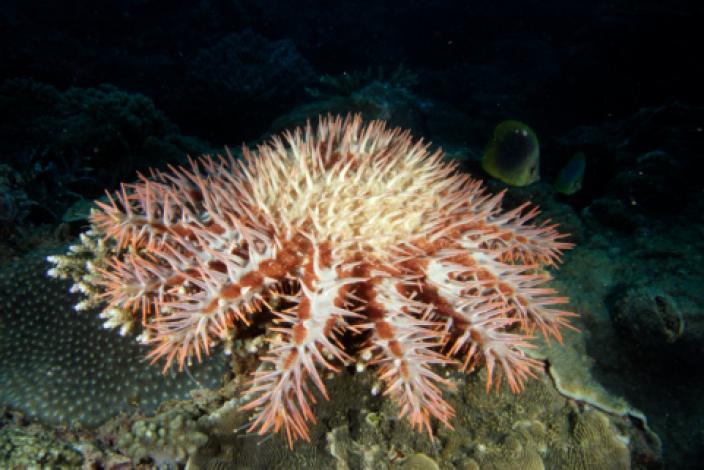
(633, 338)
(62, 367)
(29, 447)
(225, 69)
(64, 144)
(14, 203)
(537, 429)
(647, 319)
(436, 275)
(166, 439)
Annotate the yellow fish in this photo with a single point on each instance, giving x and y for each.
(513, 154)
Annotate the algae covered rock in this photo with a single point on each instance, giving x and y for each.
(648, 319)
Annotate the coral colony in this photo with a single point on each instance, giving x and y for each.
(346, 243)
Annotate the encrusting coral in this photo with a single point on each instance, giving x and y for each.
(58, 366)
(348, 243)
(166, 438)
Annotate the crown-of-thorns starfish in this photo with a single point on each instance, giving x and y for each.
(383, 253)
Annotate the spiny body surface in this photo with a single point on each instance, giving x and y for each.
(382, 254)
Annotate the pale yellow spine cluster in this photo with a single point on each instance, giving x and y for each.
(81, 264)
(391, 190)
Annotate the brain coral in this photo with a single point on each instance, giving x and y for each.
(61, 366)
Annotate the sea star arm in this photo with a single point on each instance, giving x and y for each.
(517, 287)
(216, 288)
(404, 345)
(303, 343)
(476, 321)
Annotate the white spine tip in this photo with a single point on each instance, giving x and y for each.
(143, 338)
